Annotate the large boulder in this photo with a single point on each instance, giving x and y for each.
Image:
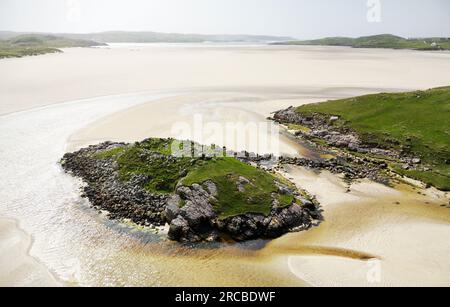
(179, 229)
(172, 209)
(194, 221)
(285, 220)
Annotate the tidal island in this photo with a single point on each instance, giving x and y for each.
(206, 194)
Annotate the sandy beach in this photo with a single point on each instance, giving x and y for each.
(128, 93)
(84, 73)
(386, 224)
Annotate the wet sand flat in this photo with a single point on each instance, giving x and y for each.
(400, 237)
(91, 72)
(222, 83)
(17, 267)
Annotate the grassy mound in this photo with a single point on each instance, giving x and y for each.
(416, 122)
(225, 172)
(163, 171)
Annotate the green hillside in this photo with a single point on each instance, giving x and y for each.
(415, 122)
(34, 44)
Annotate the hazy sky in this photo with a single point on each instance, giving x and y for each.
(297, 18)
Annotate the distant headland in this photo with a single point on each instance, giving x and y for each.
(377, 41)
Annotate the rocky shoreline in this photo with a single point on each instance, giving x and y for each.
(189, 210)
(354, 158)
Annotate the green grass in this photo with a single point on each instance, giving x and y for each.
(152, 158)
(12, 51)
(34, 44)
(225, 172)
(379, 41)
(433, 178)
(112, 153)
(286, 200)
(418, 122)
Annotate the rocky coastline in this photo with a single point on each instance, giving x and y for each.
(353, 157)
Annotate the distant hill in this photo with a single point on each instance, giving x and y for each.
(51, 41)
(35, 44)
(15, 44)
(157, 37)
(378, 41)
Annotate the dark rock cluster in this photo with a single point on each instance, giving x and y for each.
(321, 127)
(352, 168)
(197, 221)
(104, 189)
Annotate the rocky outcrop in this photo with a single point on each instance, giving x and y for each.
(280, 221)
(189, 210)
(194, 220)
(353, 168)
(355, 158)
(104, 189)
(197, 221)
(322, 127)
